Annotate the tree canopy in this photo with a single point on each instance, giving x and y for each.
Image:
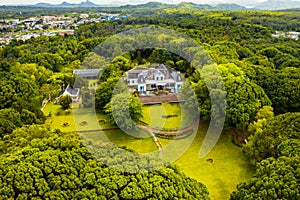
(265, 137)
(125, 110)
(244, 98)
(42, 164)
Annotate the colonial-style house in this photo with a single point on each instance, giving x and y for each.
(160, 77)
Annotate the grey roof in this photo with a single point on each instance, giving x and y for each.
(149, 74)
(134, 73)
(162, 67)
(60, 93)
(177, 76)
(71, 90)
(141, 79)
(86, 72)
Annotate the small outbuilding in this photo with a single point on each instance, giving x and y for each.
(73, 92)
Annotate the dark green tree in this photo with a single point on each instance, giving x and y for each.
(268, 135)
(65, 101)
(124, 110)
(273, 179)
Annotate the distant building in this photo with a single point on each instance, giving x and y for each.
(292, 35)
(160, 77)
(87, 73)
(84, 16)
(30, 21)
(73, 92)
(66, 32)
(48, 19)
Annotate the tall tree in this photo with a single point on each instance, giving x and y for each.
(124, 110)
(268, 135)
(273, 179)
(65, 101)
(244, 98)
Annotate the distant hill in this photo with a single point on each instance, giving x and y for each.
(230, 7)
(277, 5)
(193, 6)
(186, 6)
(149, 5)
(87, 4)
(43, 5)
(267, 5)
(291, 10)
(66, 4)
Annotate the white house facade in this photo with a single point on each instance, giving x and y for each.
(160, 77)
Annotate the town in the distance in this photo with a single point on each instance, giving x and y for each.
(48, 25)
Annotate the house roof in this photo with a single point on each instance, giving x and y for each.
(134, 73)
(149, 74)
(141, 79)
(162, 67)
(60, 93)
(69, 91)
(86, 72)
(177, 76)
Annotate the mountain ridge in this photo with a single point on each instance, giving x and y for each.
(266, 5)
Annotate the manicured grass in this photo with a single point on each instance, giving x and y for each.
(154, 115)
(228, 167)
(59, 117)
(144, 144)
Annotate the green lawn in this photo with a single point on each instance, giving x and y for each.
(229, 166)
(144, 144)
(154, 115)
(75, 118)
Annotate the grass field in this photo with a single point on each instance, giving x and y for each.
(144, 144)
(59, 117)
(154, 115)
(228, 167)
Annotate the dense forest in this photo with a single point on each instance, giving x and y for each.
(260, 75)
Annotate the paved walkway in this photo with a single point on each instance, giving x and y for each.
(151, 132)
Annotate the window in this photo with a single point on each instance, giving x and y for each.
(161, 78)
(132, 81)
(157, 78)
